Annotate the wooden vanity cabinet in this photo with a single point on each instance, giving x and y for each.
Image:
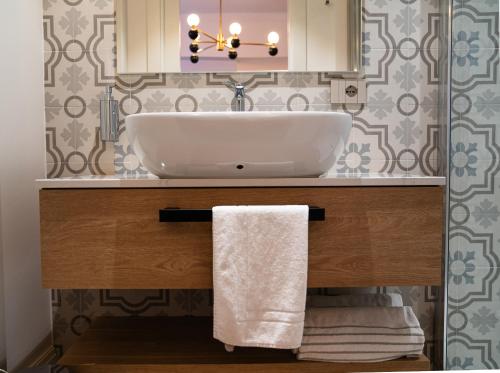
(112, 238)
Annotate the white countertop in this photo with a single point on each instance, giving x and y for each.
(118, 181)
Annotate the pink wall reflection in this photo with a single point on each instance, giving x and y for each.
(257, 17)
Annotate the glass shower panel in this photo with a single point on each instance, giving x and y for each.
(473, 328)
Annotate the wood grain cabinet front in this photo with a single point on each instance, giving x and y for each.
(112, 238)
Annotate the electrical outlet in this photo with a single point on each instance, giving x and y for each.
(351, 92)
(348, 91)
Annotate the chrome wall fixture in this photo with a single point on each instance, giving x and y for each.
(109, 117)
(239, 96)
(220, 42)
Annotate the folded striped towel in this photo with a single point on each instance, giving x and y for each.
(355, 300)
(361, 334)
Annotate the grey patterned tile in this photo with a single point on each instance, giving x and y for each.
(208, 99)
(133, 302)
(424, 17)
(60, 125)
(126, 162)
(59, 18)
(386, 73)
(422, 128)
(421, 83)
(103, 62)
(395, 22)
(191, 302)
(97, 12)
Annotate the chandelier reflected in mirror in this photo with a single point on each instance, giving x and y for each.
(232, 43)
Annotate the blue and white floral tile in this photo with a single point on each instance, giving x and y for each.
(474, 322)
(463, 356)
(481, 213)
(473, 268)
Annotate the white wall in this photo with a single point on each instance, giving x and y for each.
(22, 160)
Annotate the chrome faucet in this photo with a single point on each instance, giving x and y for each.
(238, 103)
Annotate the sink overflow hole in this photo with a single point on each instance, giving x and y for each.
(240, 167)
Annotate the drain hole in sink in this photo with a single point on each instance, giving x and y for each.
(240, 167)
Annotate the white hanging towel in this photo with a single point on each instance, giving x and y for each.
(260, 275)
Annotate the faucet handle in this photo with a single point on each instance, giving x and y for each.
(234, 85)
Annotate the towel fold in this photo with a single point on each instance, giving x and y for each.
(361, 334)
(260, 275)
(355, 300)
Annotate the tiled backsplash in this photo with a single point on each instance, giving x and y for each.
(397, 131)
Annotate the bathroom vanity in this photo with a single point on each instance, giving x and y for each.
(106, 233)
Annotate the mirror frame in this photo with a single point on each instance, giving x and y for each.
(356, 32)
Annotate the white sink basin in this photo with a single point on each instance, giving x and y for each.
(238, 144)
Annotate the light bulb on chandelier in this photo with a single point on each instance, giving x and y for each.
(273, 37)
(193, 20)
(235, 28)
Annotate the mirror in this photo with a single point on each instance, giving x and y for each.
(172, 36)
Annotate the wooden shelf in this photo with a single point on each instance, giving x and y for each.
(178, 345)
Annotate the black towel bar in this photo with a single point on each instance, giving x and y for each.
(177, 215)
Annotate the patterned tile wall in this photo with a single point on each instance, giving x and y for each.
(474, 242)
(397, 131)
